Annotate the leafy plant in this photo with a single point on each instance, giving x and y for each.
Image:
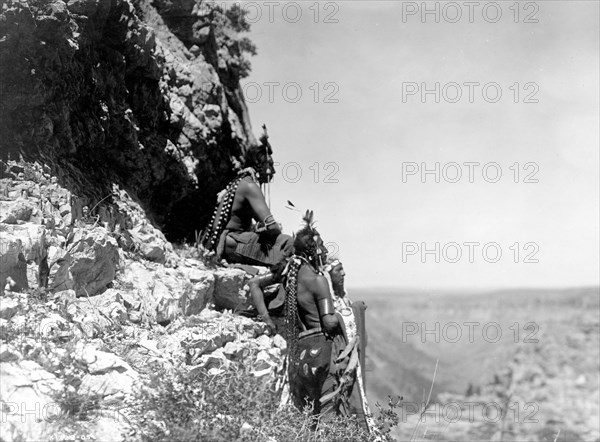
(235, 405)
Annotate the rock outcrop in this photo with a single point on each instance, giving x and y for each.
(85, 312)
(90, 262)
(136, 94)
(120, 122)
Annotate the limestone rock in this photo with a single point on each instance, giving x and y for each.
(207, 344)
(167, 293)
(8, 308)
(131, 300)
(235, 350)
(9, 354)
(216, 359)
(167, 308)
(150, 243)
(18, 210)
(229, 293)
(108, 384)
(110, 303)
(108, 374)
(27, 404)
(52, 324)
(105, 362)
(198, 294)
(90, 264)
(20, 243)
(279, 342)
(135, 317)
(123, 133)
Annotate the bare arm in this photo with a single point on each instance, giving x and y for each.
(320, 289)
(260, 210)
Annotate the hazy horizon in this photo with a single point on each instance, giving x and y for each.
(467, 290)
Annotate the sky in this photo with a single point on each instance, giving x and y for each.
(343, 89)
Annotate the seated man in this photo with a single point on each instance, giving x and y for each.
(231, 234)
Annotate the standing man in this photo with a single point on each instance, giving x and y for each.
(311, 323)
(324, 358)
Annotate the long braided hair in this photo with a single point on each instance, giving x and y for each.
(307, 251)
(292, 326)
(212, 232)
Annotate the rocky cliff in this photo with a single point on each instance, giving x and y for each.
(133, 109)
(140, 96)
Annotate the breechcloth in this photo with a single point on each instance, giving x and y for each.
(254, 249)
(309, 374)
(314, 378)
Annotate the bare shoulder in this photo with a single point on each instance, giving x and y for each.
(249, 187)
(313, 281)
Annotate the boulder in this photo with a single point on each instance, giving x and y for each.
(52, 325)
(108, 384)
(8, 308)
(230, 290)
(165, 293)
(90, 264)
(109, 303)
(18, 210)
(20, 243)
(150, 243)
(198, 293)
(235, 350)
(107, 375)
(131, 300)
(9, 353)
(207, 344)
(214, 360)
(167, 307)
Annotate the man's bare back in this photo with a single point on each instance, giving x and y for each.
(313, 293)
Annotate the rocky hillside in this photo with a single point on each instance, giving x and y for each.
(133, 109)
(109, 317)
(138, 95)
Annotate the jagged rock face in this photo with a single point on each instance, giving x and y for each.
(90, 264)
(90, 89)
(20, 243)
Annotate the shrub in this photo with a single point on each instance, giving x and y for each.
(234, 405)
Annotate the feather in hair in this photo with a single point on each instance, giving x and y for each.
(308, 218)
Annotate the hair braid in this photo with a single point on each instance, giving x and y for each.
(221, 215)
(291, 307)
